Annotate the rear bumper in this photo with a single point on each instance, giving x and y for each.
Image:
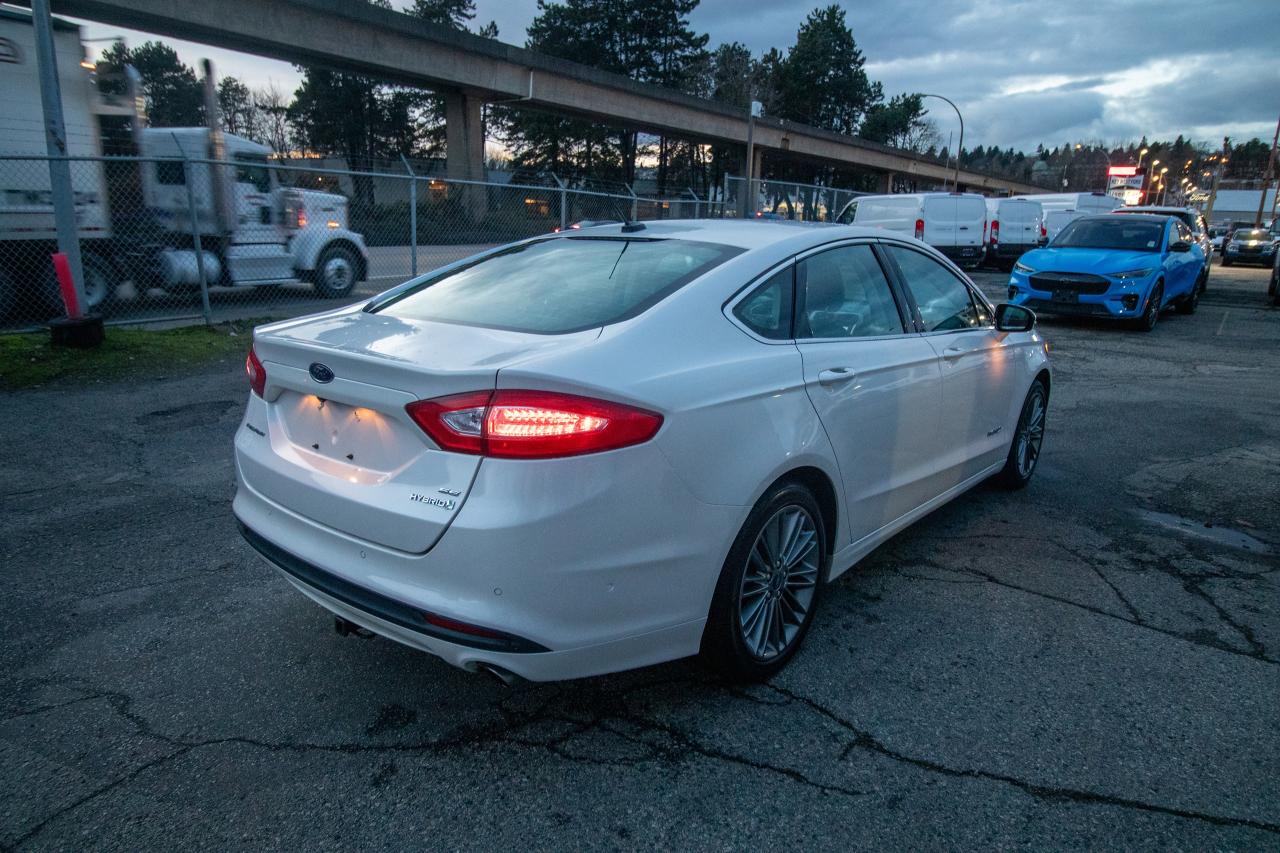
(577, 581)
(964, 256)
(1264, 259)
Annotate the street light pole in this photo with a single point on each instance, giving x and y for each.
(959, 147)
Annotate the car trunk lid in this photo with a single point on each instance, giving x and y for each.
(340, 448)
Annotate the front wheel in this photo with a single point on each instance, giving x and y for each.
(1274, 290)
(1028, 438)
(100, 281)
(769, 587)
(1151, 315)
(335, 274)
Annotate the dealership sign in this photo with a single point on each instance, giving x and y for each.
(1125, 182)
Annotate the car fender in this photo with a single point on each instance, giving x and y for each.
(308, 243)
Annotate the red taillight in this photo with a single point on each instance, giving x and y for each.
(302, 217)
(531, 424)
(1044, 232)
(995, 231)
(919, 229)
(257, 373)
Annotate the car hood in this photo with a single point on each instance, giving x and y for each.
(1099, 261)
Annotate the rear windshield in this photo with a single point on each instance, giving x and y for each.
(1188, 219)
(1109, 232)
(559, 285)
(1251, 234)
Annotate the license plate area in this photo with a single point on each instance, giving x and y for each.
(332, 433)
(1068, 296)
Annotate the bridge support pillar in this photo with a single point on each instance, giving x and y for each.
(884, 182)
(464, 148)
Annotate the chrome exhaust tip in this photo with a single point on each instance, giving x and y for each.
(510, 679)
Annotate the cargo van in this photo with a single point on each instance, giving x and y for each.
(1015, 225)
(1083, 202)
(953, 223)
(1056, 220)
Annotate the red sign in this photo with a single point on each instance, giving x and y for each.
(1123, 171)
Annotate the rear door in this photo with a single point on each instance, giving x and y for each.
(1019, 223)
(940, 221)
(874, 382)
(978, 368)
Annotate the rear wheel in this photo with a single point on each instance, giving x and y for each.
(769, 587)
(1226, 262)
(99, 282)
(1189, 302)
(1028, 438)
(335, 274)
(1274, 290)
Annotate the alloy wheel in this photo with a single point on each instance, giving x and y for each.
(779, 582)
(1031, 434)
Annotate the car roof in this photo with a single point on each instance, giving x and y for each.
(1154, 208)
(741, 233)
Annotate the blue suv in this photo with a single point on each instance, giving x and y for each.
(1117, 267)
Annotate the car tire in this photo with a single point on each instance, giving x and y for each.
(1226, 262)
(773, 572)
(1273, 290)
(1189, 303)
(336, 272)
(1028, 439)
(1151, 314)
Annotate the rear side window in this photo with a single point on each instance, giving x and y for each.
(767, 311)
(844, 294)
(944, 300)
(560, 285)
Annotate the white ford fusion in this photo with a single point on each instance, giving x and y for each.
(622, 445)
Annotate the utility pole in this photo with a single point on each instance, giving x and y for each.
(1217, 174)
(1266, 180)
(55, 138)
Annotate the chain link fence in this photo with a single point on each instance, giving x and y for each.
(172, 237)
(768, 199)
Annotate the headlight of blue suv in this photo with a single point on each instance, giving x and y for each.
(1019, 266)
(1130, 275)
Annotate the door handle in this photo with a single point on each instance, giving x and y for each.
(953, 353)
(835, 376)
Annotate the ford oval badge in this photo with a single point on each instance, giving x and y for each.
(320, 372)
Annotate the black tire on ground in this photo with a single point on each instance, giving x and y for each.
(767, 588)
(1028, 439)
(1151, 314)
(1188, 303)
(1226, 262)
(1273, 290)
(336, 272)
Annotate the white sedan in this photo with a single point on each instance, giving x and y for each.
(611, 447)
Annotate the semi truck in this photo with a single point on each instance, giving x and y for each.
(141, 218)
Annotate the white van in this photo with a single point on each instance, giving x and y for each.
(953, 223)
(1083, 202)
(1056, 220)
(1015, 225)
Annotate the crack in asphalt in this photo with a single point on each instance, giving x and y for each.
(864, 740)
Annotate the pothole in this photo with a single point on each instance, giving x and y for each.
(1213, 533)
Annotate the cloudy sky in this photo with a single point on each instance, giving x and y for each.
(1047, 71)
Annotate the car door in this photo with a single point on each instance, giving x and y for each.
(1192, 262)
(874, 382)
(1173, 263)
(980, 372)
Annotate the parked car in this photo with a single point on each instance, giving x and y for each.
(1249, 246)
(1117, 267)
(1189, 216)
(953, 223)
(1273, 289)
(1056, 220)
(579, 454)
(1016, 226)
(1217, 236)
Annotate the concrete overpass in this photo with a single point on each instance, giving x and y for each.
(469, 70)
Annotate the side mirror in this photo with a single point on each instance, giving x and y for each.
(1179, 246)
(1014, 318)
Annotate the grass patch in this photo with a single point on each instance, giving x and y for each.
(28, 360)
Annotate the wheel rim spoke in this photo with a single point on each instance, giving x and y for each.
(779, 582)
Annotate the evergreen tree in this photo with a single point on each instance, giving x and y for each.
(170, 88)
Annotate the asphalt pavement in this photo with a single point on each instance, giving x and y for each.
(1093, 662)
